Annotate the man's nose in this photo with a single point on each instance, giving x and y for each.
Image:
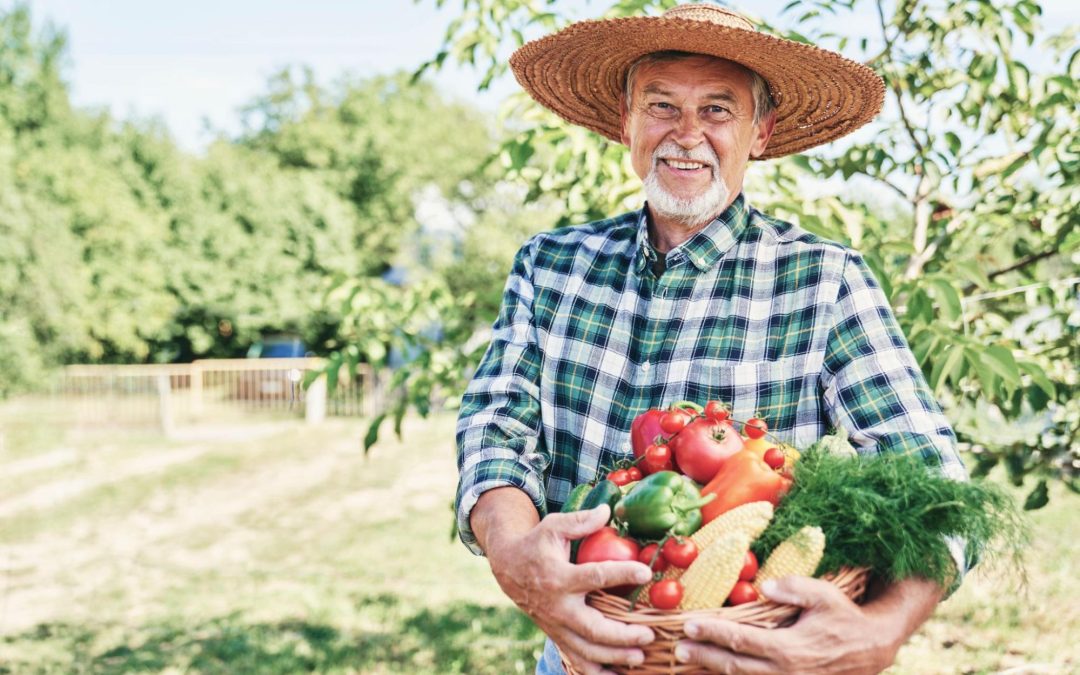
(688, 131)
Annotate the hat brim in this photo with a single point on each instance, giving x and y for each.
(579, 74)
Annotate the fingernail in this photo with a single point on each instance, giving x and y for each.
(637, 659)
(692, 630)
(682, 654)
(769, 587)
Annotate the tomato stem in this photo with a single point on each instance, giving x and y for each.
(687, 405)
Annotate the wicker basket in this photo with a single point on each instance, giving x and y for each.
(668, 625)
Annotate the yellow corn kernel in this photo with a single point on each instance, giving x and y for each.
(798, 555)
(713, 574)
(750, 518)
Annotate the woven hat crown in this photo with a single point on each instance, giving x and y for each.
(710, 13)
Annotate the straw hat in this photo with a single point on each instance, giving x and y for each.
(579, 73)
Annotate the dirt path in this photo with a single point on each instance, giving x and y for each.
(53, 575)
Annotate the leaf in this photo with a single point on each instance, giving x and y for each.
(1039, 378)
(1014, 467)
(944, 367)
(954, 142)
(1001, 361)
(948, 299)
(983, 464)
(372, 434)
(987, 379)
(1038, 497)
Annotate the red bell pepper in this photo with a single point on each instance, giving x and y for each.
(644, 431)
(744, 478)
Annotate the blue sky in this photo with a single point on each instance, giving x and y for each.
(197, 60)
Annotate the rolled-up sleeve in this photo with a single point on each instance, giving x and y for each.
(499, 440)
(874, 388)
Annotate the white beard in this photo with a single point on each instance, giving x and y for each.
(693, 211)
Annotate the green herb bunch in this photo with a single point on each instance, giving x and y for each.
(891, 513)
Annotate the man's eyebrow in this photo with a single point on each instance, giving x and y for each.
(725, 95)
(655, 89)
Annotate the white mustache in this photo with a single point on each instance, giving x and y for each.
(671, 149)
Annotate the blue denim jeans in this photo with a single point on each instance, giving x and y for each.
(550, 663)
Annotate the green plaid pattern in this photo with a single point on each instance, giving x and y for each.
(751, 311)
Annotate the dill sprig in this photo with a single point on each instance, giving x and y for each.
(891, 513)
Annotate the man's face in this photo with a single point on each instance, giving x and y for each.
(690, 129)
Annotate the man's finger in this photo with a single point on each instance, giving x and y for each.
(719, 660)
(587, 577)
(736, 637)
(599, 653)
(594, 627)
(578, 524)
(803, 592)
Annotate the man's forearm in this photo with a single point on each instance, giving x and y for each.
(904, 606)
(502, 513)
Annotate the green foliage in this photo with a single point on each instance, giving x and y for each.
(961, 195)
(891, 515)
(116, 246)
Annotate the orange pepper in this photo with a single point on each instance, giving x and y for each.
(743, 478)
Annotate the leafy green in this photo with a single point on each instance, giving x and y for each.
(891, 513)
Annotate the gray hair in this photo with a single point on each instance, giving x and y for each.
(759, 88)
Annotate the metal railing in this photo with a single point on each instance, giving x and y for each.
(209, 389)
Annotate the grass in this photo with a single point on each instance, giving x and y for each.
(279, 548)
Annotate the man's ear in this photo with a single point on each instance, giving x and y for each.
(762, 133)
(624, 117)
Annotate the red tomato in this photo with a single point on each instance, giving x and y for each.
(605, 544)
(645, 430)
(679, 553)
(774, 458)
(634, 473)
(716, 411)
(742, 593)
(619, 476)
(755, 428)
(701, 448)
(646, 557)
(749, 567)
(675, 420)
(665, 594)
(657, 458)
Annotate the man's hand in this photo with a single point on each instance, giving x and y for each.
(832, 635)
(533, 569)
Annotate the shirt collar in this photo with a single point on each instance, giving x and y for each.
(706, 247)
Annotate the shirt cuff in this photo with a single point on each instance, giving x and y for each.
(490, 474)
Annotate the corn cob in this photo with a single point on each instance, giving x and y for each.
(713, 574)
(750, 518)
(798, 555)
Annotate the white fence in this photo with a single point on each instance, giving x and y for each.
(213, 389)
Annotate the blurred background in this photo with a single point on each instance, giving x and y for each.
(250, 253)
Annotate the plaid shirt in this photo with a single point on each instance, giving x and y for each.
(751, 311)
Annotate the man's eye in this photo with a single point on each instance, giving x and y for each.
(662, 109)
(716, 113)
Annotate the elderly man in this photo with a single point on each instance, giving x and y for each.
(697, 296)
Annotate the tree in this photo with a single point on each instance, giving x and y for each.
(971, 219)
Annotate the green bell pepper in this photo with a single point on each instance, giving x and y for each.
(660, 503)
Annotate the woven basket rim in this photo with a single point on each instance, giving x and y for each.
(668, 624)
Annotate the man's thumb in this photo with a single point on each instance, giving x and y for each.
(802, 592)
(578, 524)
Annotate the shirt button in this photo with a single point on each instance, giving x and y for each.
(645, 366)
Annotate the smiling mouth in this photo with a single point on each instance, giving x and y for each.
(684, 164)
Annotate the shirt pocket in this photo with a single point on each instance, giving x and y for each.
(782, 392)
